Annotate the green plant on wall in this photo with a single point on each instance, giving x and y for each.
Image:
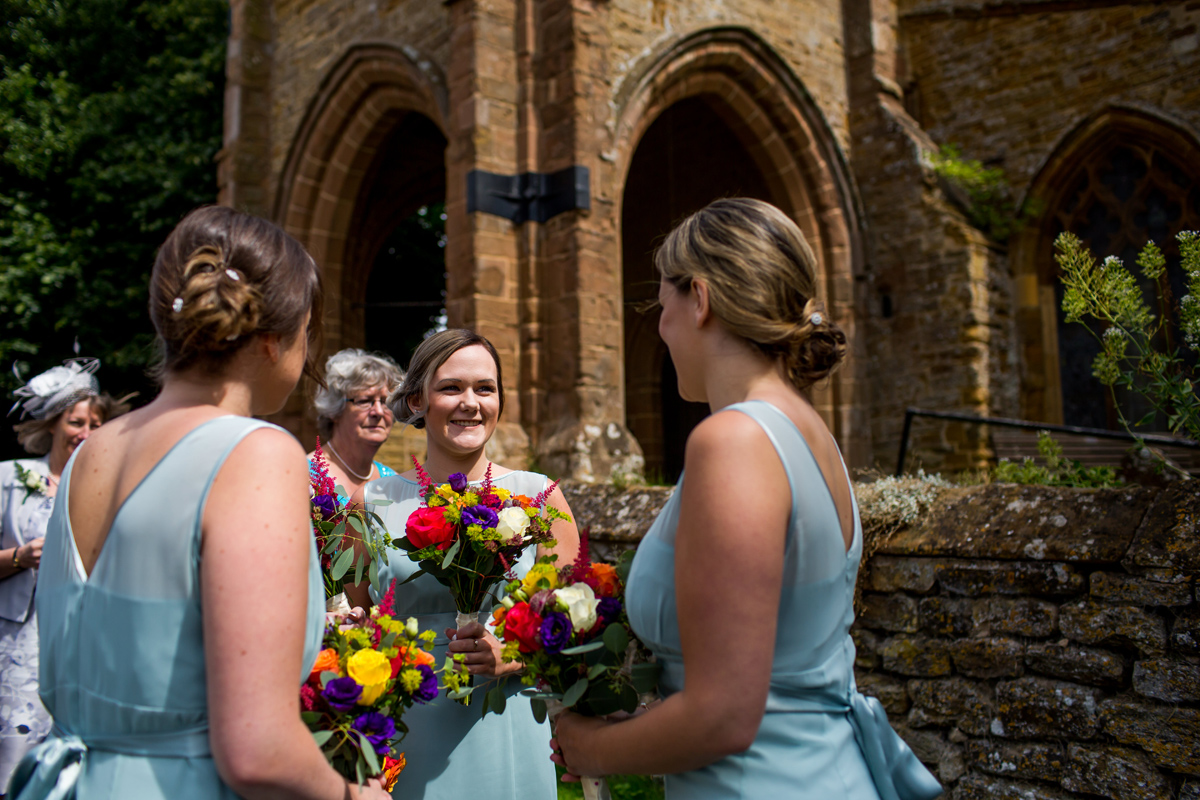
(1130, 334)
(990, 206)
(1056, 470)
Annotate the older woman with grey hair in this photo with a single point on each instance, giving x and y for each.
(353, 417)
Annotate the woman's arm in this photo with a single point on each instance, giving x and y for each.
(256, 520)
(729, 550)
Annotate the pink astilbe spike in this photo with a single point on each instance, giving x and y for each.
(583, 561)
(319, 472)
(508, 570)
(486, 488)
(387, 605)
(544, 495)
(423, 478)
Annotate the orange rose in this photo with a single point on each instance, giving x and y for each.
(604, 580)
(392, 767)
(327, 661)
(498, 614)
(411, 656)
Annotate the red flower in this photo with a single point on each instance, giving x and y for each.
(309, 697)
(521, 625)
(428, 526)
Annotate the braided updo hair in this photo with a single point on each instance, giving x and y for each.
(220, 278)
(761, 278)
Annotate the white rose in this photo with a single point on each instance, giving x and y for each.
(581, 605)
(513, 522)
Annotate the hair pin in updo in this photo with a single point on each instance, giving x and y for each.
(177, 305)
(233, 276)
(816, 319)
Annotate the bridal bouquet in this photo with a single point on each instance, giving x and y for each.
(469, 537)
(569, 630)
(359, 688)
(337, 526)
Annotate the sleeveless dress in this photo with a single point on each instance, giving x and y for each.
(819, 737)
(122, 649)
(452, 754)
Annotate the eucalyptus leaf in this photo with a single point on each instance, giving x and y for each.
(358, 569)
(359, 772)
(309, 717)
(321, 737)
(412, 577)
(340, 528)
(571, 696)
(539, 709)
(373, 575)
(596, 671)
(645, 676)
(448, 559)
(583, 648)
(356, 523)
(371, 756)
(615, 638)
(499, 701)
(342, 564)
(327, 676)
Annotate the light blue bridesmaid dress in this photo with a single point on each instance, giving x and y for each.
(122, 649)
(819, 738)
(453, 754)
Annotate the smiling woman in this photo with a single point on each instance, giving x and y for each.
(454, 391)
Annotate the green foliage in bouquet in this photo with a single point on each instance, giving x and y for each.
(348, 537)
(1057, 471)
(1128, 331)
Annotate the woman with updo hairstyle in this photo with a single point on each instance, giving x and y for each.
(454, 391)
(354, 418)
(179, 598)
(746, 579)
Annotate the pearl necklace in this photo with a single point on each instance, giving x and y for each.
(338, 456)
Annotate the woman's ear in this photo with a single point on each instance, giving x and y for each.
(415, 403)
(701, 308)
(271, 346)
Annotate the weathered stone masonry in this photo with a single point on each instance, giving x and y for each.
(1028, 642)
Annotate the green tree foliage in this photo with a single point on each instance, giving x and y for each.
(110, 116)
(1130, 334)
(989, 202)
(1056, 470)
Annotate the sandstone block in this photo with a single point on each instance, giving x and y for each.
(974, 578)
(1078, 664)
(889, 691)
(890, 612)
(988, 658)
(1115, 772)
(943, 757)
(1167, 680)
(1029, 522)
(1036, 707)
(1093, 623)
(947, 616)
(901, 574)
(915, 656)
(1022, 616)
(1190, 790)
(1170, 535)
(1167, 734)
(985, 787)
(951, 701)
(1185, 632)
(1015, 760)
(1113, 587)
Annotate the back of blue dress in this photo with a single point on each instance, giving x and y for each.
(819, 737)
(122, 648)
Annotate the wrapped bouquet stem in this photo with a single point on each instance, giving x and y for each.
(593, 788)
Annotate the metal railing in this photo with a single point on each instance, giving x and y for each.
(1003, 422)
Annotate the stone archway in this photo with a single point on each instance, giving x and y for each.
(1117, 179)
(369, 153)
(725, 92)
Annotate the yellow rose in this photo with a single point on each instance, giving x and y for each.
(503, 494)
(536, 574)
(372, 693)
(369, 667)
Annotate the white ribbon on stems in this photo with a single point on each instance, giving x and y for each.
(593, 788)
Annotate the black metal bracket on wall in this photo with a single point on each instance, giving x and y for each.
(530, 196)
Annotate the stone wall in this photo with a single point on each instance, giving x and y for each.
(1028, 642)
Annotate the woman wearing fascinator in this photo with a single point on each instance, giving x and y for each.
(63, 405)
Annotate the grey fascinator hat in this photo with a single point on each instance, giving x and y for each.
(58, 388)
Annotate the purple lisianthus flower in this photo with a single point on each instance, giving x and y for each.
(342, 694)
(327, 503)
(555, 632)
(608, 609)
(480, 515)
(459, 482)
(378, 729)
(428, 689)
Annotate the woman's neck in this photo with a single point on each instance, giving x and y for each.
(354, 452)
(58, 460)
(441, 465)
(736, 372)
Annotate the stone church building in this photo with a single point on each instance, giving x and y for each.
(564, 137)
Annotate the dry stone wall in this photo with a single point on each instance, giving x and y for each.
(1028, 642)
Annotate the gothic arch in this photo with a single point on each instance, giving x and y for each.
(757, 96)
(363, 99)
(1070, 192)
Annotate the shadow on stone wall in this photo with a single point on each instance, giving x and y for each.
(1028, 642)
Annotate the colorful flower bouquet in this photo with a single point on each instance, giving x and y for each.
(468, 538)
(338, 526)
(359, 688)
(569, 629)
